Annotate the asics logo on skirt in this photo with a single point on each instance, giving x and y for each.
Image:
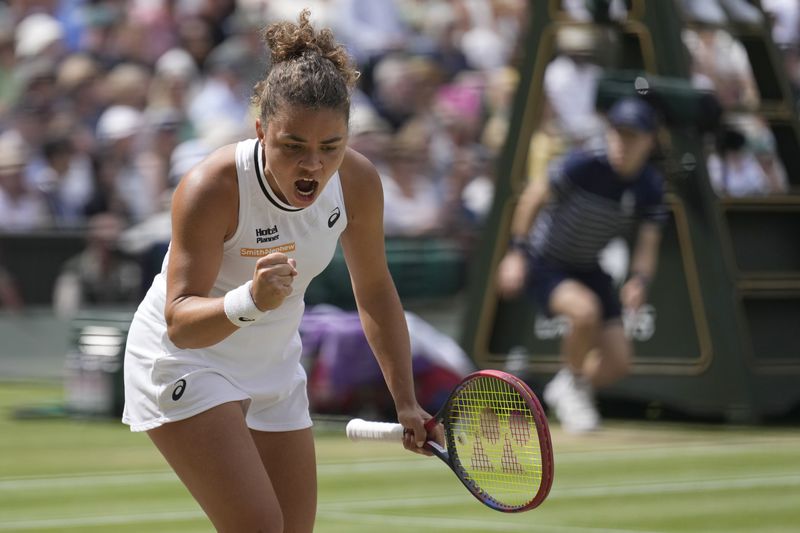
(180, 388)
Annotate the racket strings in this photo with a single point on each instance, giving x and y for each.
(496, 441)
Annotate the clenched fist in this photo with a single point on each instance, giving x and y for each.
(272, 280)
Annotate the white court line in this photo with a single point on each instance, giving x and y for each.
(429, 522)
(103, 479)
(110, 479)
(633, 489)
(402, 464)
(350, 510)
(84, 521)
(369, 466)
(641, 452)
(436, 523)
(732, 483)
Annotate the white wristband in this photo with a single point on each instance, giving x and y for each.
(240, 308)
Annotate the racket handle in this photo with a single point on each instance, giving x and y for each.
(358, 429)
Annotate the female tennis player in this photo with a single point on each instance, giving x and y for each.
(212, 364)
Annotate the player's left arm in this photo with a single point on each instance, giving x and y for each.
(643, 265)
(379, 306)
(644, 261)
(645, 254)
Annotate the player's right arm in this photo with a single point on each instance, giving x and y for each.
(205, 210)
(535, 195)
(513, 267)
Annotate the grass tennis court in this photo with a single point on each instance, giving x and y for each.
(89, 476)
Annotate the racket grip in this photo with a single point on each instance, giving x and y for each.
(358, 429)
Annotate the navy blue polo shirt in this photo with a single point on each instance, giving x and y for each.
(590, 205)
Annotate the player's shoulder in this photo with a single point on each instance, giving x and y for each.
(578, 165)
(579, 160)
(357, 167)
(652, 176)
(358, 173)
(361, 185)
(214, 176)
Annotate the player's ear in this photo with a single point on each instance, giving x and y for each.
(260, 130)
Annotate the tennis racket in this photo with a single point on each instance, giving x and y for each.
(497, 440)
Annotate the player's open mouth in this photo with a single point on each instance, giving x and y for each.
(306, 187)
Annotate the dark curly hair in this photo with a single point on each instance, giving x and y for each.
(308, 68)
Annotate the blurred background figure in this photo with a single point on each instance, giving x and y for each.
(39, 35)
(10, 298)
(394, 89)
(371, 28)
(558, 230)
(370, 134)
(81, 84)
(128, 84)
(8, 89)
(120, 183)
(161, 136)
(784, 18)
(719, 61)
(22, 207)
(745, 164)
(344, 378)
(223, 95)
(100, 276)
(581, 11)
(570, 85)
(65, 180)
(413, 206)
(569, 119)
(175, 81)
(742, 158)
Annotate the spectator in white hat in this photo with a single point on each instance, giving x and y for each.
(21, 207)
(117, 135)
(39, 34)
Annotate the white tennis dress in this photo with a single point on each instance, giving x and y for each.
(259, 364)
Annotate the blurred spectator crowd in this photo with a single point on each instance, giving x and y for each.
(105, 104)
(743, 161)
(741, 155)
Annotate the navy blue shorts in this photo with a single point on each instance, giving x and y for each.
(544, 276)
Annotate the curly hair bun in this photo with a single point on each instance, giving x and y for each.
(288, 41)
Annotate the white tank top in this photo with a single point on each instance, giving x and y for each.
(266, 224)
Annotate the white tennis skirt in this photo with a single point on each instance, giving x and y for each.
(163, 385)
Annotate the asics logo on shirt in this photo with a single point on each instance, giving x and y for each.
(335, 214)
(180, 388)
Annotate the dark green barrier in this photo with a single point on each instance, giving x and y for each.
(34, 260)
(421, 269)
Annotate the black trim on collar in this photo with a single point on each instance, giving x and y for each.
(265, 188)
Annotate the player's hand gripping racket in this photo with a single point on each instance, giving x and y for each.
(498, 442)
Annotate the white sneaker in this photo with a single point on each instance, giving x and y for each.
(572, 400)
(554, 389)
